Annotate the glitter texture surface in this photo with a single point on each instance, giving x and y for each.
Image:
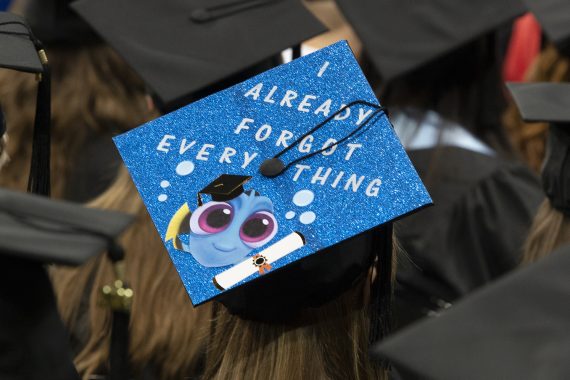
(367, 180)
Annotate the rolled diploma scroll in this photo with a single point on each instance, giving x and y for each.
(246, 268)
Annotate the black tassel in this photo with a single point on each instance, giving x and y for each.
(119, 350)
(39, 179)
(296, 51)
(382, 292)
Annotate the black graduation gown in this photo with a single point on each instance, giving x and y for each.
(474, 233)
(33, 341)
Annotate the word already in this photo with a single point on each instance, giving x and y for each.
(305, 103)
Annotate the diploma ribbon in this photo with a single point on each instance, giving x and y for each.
(261, 263)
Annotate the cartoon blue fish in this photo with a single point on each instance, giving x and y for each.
(224, 232)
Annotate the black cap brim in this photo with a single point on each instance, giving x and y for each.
(17, 51)
(542, 102)
(177, 56)
(39, 229)
(517, 328)
(401, 36)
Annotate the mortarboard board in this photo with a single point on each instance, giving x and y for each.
(550, 102)
(48, 231)
(554, 17)
(182, 48)
(21, 50)
(18, 50)
(516, 328)
(400, 36)
(343, 173)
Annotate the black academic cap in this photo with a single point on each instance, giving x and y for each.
(516, 328)
(225, 187)
(182, 47)
(538, 102)
(21, 50)
(402, 35)
(17, 49)
(47, 231)
(554, 16)
(550, 102)
(53, 21)
(320, 278)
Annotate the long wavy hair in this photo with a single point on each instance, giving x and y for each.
(94, 92)
(326, 342)
(166, 332)
(550, 230)
(529, 139)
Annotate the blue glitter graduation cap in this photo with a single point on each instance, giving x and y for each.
(338, 170)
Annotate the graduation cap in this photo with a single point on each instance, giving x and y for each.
(22, 51)
(516, 328)
(303, 234)
(35, 231)
(54, 21)
(554, 16)
(54, 232)
(224, 188)
(550, 102)
(187, 49)
(400, 36)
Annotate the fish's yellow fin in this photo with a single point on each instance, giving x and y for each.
(177, 225)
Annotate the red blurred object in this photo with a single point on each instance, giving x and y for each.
(523, 48)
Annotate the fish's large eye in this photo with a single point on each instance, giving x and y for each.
(211, 218)
(258, 229)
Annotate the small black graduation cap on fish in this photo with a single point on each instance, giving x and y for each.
(187, 50)
(516, 328)
(402, 35)
(224, 188)
(22, 51)
(550, 102)
(35, 231)
(554, 17)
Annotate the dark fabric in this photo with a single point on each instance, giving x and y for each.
(542, 101)
(401, 35)
(17, 48)
(54, 22)
(318, 278)
(517, 328)
(48, 231)
(95, 167)
(33, 341)
(178, 56)
(473, 234)
(553, 17)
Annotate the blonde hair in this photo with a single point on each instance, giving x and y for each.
(550, 229)
(529, 139)
(93, 92)
(165, 329)
(327, 342)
